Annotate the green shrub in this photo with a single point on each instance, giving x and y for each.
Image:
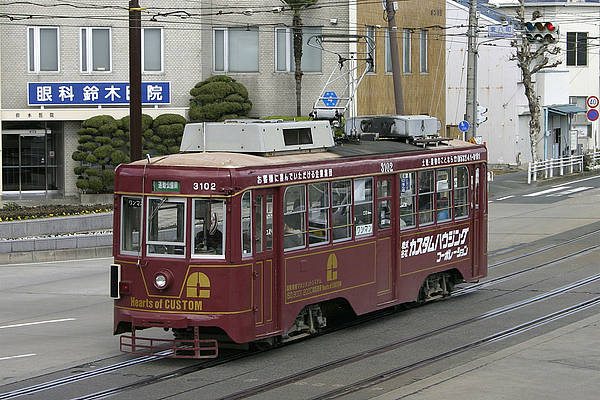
(96, 185)
(217, 97)
(79, 170)
(103, 151)
(82, 184)
(78, 156)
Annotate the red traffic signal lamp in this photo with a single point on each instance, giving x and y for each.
(541, 32)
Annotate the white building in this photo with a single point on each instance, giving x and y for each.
(61, 65)
(506, 131)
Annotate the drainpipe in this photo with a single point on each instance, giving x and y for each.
(546, 133)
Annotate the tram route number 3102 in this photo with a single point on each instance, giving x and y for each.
(205, 186)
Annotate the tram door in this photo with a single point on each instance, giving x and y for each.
(264, 272)
(479, 207)
(384, 256)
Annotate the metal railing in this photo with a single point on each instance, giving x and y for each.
(555, 167)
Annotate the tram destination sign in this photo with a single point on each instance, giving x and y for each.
(166, 186)
(94, 93)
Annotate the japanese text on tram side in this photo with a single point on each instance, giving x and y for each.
(452, 159)
(294, 176)
(302, 289)
(447, 245)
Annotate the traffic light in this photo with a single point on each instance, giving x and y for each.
(541, 32)
(481, 117)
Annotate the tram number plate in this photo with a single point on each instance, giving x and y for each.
(364, 229)
(387, 167)
(205, 186)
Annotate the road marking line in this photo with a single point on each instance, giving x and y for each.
(505, 197)
(571, 191)
(556, 189)
(19, 356)
(37, 323)
(581, 180)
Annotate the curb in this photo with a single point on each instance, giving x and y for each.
(55, 255)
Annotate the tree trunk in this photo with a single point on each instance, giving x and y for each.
(297, 32)
(534, 111)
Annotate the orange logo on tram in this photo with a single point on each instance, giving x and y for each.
(332, 264)
(197, 285)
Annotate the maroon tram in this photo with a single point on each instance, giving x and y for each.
(267, 228)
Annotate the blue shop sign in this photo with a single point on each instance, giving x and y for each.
(94, 93)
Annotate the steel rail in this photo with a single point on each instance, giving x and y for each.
(518, 329)
(101, 371)
(394, 345)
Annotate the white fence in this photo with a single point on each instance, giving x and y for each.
(556, 166)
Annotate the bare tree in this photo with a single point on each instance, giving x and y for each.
(297, 6)
(532, 57)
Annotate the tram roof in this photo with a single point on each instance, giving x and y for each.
(345, 150)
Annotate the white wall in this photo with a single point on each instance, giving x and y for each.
(497, 84)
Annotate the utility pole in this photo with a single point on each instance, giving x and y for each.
(471, 111)
(392, 29)
(135, 81)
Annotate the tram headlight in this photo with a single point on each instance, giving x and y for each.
(162, 280)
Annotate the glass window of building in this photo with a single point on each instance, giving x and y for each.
(95, 49)
(42, 49)
(152, 50)
(235, 49)
(284, 50)
(406, 49)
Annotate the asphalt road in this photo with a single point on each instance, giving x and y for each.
(56, 320)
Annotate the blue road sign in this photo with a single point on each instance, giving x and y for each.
(330, 99)
(463, 126)
(592, 114)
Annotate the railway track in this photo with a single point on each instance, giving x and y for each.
(333, 364)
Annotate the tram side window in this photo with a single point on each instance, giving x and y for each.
(461, 190)
(443, 200)
(341, 199)
(166, 226)
(407, 200)
(131, 223)
(384, 206)
(246, 224)
(208, 230)
(363, 206)
(318, 213)
(426, 197)
(294, 204)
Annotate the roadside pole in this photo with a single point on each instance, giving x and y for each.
(135, 81)
(471, 101)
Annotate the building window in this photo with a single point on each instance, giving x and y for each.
(406, 57)
(423, 51)
(371, 46)
(235, 50)
(152, 50)
(284, 50)
(388, 53)
(42, 49)
(95, 49)
(576, 48)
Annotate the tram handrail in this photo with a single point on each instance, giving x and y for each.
(554, 166)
